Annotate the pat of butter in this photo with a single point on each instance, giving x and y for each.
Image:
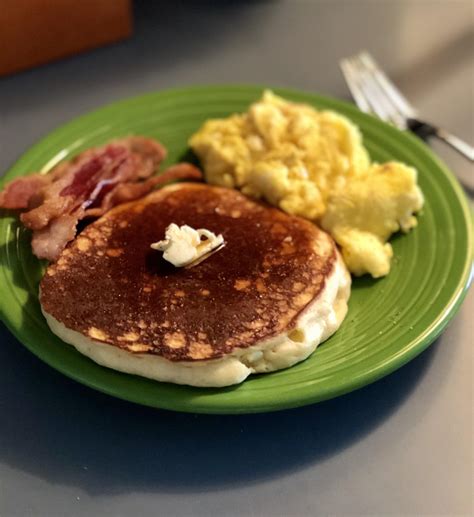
(183, 244)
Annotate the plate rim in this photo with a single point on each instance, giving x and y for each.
(417, 345)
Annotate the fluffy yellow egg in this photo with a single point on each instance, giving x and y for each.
(313, 164)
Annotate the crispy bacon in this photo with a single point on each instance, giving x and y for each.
(76, 188)
(87, 186)
(17, 193)
(125, 192)
(51, 240)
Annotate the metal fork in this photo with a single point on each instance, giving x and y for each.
(375, 93)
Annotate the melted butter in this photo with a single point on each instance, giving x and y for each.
(183, 245)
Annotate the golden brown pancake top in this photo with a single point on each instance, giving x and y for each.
(110, 286)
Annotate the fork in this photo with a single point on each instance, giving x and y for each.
(375, 93)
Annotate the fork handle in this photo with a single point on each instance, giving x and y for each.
(425, 130)
(456, 143)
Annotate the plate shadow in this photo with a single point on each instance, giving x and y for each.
(59, 430)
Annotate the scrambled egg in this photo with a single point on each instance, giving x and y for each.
(313, 164)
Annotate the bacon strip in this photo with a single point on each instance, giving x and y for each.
(87, 186)
(75, 189)
(50, 241)
(125, 192)
(17, 193)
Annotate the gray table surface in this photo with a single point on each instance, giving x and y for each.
(402, 446)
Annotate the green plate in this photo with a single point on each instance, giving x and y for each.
(389, 322)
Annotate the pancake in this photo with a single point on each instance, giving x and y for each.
(263, 302)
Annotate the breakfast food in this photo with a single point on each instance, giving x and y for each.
(199, 284)
(362, 216)
(263, 302)
(313, 164)
(87, 186)
(184, 245)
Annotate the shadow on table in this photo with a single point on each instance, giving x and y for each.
(68, 434)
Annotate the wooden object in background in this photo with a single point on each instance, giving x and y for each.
(33, 32)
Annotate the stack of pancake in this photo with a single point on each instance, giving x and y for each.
(262, 303)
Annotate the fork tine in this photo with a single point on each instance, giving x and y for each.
(374, 92)
(367, 87)
(402, 103)
(381, 104)
(354, 87)
(367, 92)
